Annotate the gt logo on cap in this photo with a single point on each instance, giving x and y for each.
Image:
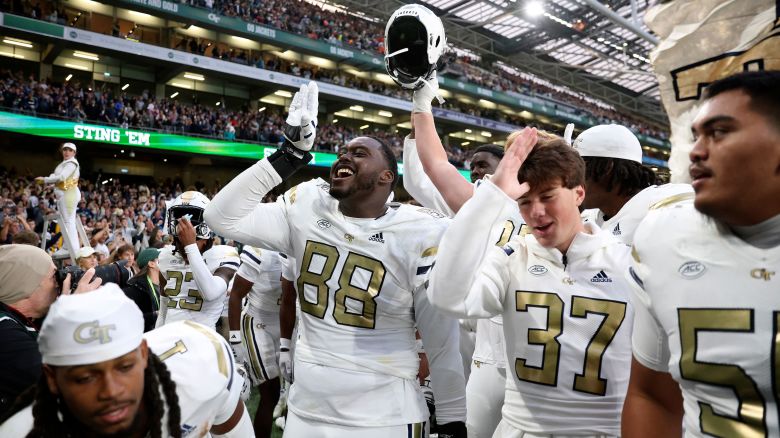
(93, 331)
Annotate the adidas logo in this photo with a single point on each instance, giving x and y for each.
(601, 277)
(616, 231)
(377, 238)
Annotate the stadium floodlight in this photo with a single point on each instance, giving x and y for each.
(261, 109)
(468, 131)
(534, 9)
(194, 76)
(174, 94)
(125, 86)
(364, 127)
(384, 113)
(335, 121)
(356, 108)
(18, 42)
(283, 93)
(465, 143)
(68, 77)
(486, 134)
(86, 55)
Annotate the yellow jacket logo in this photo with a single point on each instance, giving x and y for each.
(762, 274)
(93, 331)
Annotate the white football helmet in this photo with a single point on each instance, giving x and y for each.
(190, 204)
(414, 42)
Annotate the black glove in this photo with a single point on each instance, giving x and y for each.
(456, 429)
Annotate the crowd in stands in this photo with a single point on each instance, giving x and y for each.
(109, 105)
(113, 214)
(346, 29)
(339, 28)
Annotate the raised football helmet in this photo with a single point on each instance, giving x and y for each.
(414, 42)
(190, 204)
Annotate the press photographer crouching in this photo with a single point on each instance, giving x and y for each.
(29, 284)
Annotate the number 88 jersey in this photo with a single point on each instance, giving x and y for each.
(356, 278)
(708, 313)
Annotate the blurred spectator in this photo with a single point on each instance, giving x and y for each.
(27, 238)
(86, 258)
(144, 287)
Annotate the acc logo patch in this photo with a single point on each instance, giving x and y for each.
(322, 223)
(537, 270)
(692, 270)
(431, 212)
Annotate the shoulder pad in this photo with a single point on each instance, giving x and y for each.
(672, 200)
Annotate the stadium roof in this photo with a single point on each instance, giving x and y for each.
(599, 47)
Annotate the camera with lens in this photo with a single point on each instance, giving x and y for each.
(115, 272)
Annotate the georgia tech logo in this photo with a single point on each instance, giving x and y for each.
(214, 17)
(762, 274)
(93, 331)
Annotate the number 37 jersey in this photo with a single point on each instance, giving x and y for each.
(186, 303)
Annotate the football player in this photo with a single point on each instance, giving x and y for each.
(104, 377)
(707, 334)
(360, 268)
(195, 272)
(254, 333)
(567, 318)
(434, 182)
(617, 186)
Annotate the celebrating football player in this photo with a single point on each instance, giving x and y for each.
(104, 377)
(360, 269)
(560, 288)
(707, 328)
(196, 273)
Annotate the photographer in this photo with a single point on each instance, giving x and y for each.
(28, 286)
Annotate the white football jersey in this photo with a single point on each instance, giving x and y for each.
(360, 286)
(263, 268)
(186, 303)
(567, 321)
(708, 313)
(489, 340)
(624, 223)
(201, 365)
(356, 281)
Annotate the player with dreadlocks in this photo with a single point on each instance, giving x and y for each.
(619, 190)
(104, 377)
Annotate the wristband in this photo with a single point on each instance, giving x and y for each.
(419, 345)
(235, 336)
(284, 344)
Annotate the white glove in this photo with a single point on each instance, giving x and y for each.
(285, 360)
(239, 349)
(422, 98)
(246, 386)
(301, 122)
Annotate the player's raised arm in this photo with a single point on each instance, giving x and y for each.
(470, 274)
(450, 184)
(236, 211)
(417, 183)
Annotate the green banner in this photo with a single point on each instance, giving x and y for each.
(66, 130)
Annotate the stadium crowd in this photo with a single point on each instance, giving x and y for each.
(336, 27)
